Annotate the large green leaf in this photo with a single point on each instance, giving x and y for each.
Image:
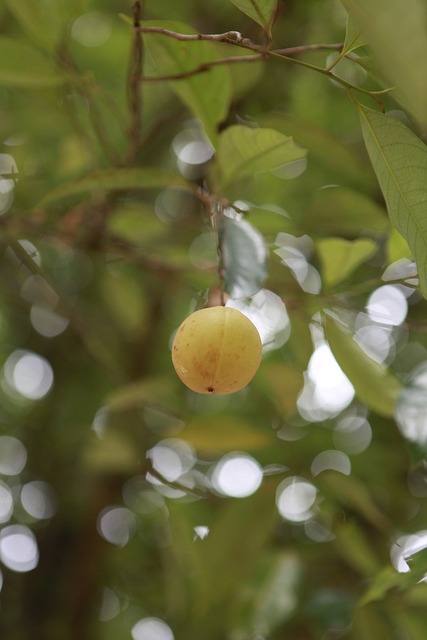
(397, 34)
(339, 257)
(340, 211)
(244, 151)
(374, 385)
(44, 21)
(399, 160)
(117, 179)
(206, 94)
(245, 258)
(24, 66)
(262, 11)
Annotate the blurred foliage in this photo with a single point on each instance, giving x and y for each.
(144, 173)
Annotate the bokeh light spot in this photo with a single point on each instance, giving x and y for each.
(13, 456)
(38, 499)
(171, 458)
(92, 29)
(117, 525)
(295, 498)
(46, 322)
(268, 313)
(29, 374)
(110, 605)
(331, 460)
(387, 305)
(237, 475)
(6, 502)
(18, 548)
(352, 434)
(327, 390)
(152, 629)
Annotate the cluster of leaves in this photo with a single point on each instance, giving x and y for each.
(301, 155)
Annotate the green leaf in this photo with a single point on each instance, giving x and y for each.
(368, 622)
(327, 150)
(397, 247)
(262, 11)
(356, 548)
(117, 179)
(389, 578)
(352, 494)
(44, 21)
(231, 549)
(353, 37)
(230, 433)
(353, 40)
(271, 596)
(112, 453)
(339, 257)
(24, 66)
(399, 160)
(162, 391)
(397, 34)
(244, 151)
(386, 579)
(207, 94)
(245, 258)
(374, 385)
(339, 211)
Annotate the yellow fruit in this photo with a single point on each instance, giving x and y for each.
(216, 350)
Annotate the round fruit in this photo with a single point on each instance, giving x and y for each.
(216, 350)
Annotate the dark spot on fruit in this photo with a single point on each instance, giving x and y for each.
(210, 389)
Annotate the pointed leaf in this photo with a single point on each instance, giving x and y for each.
(339, 257)
(244, 151)
(245, 258)
(24, 66)
(353, 37)
(262, 11)
(385, 24)
(207, 94)
(399, 160)
(374, 385)
(117, 179)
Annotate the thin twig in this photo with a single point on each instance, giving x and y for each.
(204, 67)
(134, 88)
(235, 38)
(227, 36)
(306, 48)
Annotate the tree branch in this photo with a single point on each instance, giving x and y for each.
(306, 48)
(134, 88)
(235, 38)
(204, 67)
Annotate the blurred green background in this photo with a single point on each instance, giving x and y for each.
(131, 507)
